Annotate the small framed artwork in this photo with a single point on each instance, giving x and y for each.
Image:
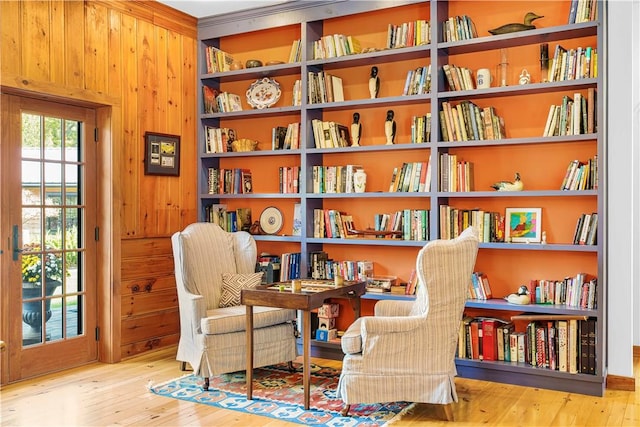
(161, 154)
(523, 225)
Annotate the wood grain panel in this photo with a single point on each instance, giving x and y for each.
(149, 327)
(188, 195)
(147, 284)
(131, 160)
(146, 247)
(74, 45)
(146, 346)
(96, 41)
(36, 40)
(11, 43)
(58, 42)
(144, 303)
(151, 266)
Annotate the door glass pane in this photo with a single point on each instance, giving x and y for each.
(51, 240)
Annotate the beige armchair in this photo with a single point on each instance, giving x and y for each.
(211, 267)
(406, 351)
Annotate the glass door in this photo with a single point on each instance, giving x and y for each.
(53, 237)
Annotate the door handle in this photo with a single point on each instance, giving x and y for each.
(16, 249)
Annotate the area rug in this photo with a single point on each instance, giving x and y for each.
(278, 393)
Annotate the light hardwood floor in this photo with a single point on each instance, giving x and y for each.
(109, 395)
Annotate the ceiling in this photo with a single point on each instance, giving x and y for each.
(204, 8)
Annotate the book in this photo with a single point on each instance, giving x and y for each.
(243, 217)
(489, 339)
(297, 220)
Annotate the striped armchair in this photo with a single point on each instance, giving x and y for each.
(406, 351)
(211, 266)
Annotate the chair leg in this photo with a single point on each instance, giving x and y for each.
(291, 367)
(183, 366)
(205, 386)
(345, 410)
(448, 412)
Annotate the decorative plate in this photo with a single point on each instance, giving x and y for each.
(263, 93)
(271, 220)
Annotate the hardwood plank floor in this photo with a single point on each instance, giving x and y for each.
(109, 395)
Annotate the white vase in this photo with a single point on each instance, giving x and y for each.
(359, 181)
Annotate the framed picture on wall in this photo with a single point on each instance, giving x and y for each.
(523, 225)
(161, 154)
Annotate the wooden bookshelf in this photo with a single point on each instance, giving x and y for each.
(541, 161)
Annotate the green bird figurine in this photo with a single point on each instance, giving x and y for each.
(512, 28)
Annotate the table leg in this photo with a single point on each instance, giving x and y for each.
(355, 304)
(306, 351)
(249, 372)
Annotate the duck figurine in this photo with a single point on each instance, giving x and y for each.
(516, 185)
(512, 28)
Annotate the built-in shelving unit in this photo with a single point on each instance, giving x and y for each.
(541, 160)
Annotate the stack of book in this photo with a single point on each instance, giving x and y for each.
(453, 221)
(458, 28)
(573, 117)
(581, 175)
(217, 60)
(455, 175)
(335, 45)
(411, 177)
(229, 181)
(412, 33)
(586, 232)
(286, 137)
(458, 78)
(418, 81)
(324, 87)
(466, 121)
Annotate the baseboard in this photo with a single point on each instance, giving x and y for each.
(616, 382)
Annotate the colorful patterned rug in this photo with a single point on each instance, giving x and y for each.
(278, 393)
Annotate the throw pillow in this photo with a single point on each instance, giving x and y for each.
(232, 284)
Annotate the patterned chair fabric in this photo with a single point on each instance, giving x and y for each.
(406, 351)
(213, 339)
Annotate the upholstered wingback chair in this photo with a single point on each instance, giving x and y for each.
(211, 268)
(406, 351)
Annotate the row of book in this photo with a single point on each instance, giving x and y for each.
(566, 345)
(217, 60)
(295, 54)
(418, 81)
(218, 140)
(412, 33)
(572, 64)
(479, 288)
(586, 232)
(332, 224)
(573, 117)
(581, 175)
(333, 179)
(454, 221)
(466, 121)
(458, 28)
(455, 175)
(289, 179)
(458, 78)
(215, 101)
(324, 87)
(329, 134)
(411, 177)
(583, 11)
(421, 129)
(411, 224)
(574, 291)
(321, 267)
(286, 137)
(290, 266)
(229, 220)
(335, 45)
(229, 181)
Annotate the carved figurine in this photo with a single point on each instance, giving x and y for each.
(512, 28)
(356, 130)
(516, 185)
(390, 127)
(374, 82)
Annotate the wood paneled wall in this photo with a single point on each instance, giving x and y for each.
(138, 57)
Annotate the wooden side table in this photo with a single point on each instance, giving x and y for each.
(305, 300)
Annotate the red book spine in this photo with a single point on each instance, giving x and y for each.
(489, 340)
